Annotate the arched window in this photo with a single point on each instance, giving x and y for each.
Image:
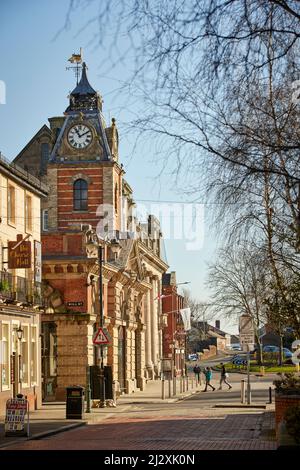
(80, 195)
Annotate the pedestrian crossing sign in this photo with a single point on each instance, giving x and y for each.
(101, 337)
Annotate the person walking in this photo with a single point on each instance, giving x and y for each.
(197, 372)
(208, 377)
(224, 377)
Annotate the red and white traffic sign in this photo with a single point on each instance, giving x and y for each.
(101, 337)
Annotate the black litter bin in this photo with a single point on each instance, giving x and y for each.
(75, 402)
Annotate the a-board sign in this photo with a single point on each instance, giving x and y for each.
(16, 411)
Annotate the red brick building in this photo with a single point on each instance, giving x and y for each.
(78, 159)
(174, 335)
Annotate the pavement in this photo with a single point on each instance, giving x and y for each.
(51, 417)
(145, 416)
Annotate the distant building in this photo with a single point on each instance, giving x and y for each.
(212, 335)
(268, 336)
(174, 335)
(234, 339)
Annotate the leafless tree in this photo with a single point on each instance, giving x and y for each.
(189, 56)
(239, 285)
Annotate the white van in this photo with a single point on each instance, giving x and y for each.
(193, 357)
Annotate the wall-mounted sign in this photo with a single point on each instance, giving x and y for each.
(19, 254)
(37, 261)
(74, 304)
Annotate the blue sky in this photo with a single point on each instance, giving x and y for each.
(33, 67)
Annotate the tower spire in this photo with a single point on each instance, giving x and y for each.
(84, 97)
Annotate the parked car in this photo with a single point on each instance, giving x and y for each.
(236, 347)
(287, 353)
(275, 349)
(270, 348)
(193, 357)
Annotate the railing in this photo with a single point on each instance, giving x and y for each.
(19, 289)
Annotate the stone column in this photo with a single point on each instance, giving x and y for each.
(160, 333)
(148, 333)
(140, 346)
(154, 325)
(130, 380)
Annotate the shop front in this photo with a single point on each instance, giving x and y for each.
(19, 356)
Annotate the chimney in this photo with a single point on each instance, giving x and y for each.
(218, 324)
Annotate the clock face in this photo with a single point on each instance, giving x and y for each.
(80, 136)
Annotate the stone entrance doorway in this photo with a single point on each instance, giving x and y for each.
(49, 360)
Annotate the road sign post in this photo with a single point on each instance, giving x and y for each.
(102, 338)
(247, 340)
(248, 378)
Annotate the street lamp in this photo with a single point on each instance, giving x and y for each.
(19, 332)
(93, 246)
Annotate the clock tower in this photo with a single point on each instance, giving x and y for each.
(83, 169)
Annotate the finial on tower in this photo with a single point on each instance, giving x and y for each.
(76, 59)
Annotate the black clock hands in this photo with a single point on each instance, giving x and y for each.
(81, 135)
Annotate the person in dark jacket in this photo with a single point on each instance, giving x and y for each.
(197, 372)
(224, 377)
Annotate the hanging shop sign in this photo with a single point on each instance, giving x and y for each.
(19, 253)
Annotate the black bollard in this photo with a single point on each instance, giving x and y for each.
(270, 394)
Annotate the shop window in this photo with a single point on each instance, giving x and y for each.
(24, 356)
(33, 356)
(5, 366)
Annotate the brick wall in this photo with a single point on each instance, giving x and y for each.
(65, 180)
(210, 352)
(282, 403)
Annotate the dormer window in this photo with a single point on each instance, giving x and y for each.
(80, 195)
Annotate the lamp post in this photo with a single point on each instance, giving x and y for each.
(102, 378)
(91, 246)
(19, 332)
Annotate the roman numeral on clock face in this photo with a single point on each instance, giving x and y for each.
(80, 136)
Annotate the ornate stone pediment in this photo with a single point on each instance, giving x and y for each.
(54, 299)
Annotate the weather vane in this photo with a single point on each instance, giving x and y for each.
(76, 59)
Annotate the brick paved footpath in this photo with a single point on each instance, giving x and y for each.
(233, 432)
(145, 421)
(178, 426)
